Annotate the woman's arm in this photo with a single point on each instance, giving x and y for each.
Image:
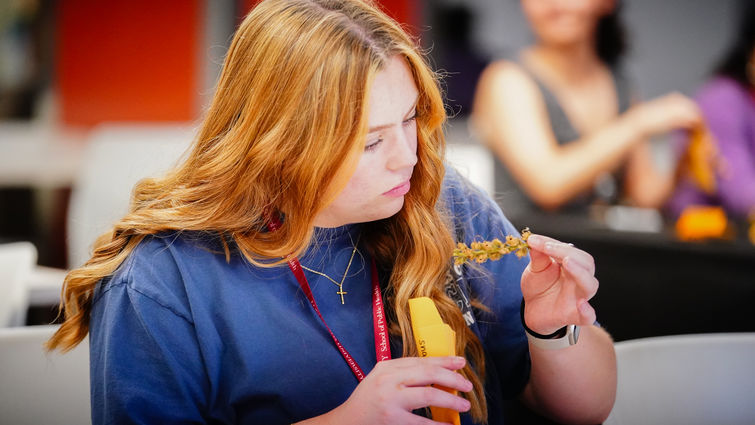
(146, 365)
(511, 117)
(725, 104)
(576, 384)
(645, 184)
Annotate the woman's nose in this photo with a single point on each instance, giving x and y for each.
(403, 150)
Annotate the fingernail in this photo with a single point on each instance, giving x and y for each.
(466, 405)
(468, 385)
(584, 307)
(461, 361)
(548, 247)
(567, 262)
(534, 240)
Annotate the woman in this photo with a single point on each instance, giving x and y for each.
(727, 102)
(239, 288)
(560, 118)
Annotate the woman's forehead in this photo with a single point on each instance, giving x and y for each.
(393, 93)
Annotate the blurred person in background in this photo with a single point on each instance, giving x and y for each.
(320, 162)
(727, 102)
(562, 117)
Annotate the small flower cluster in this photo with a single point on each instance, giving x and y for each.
(492, 250)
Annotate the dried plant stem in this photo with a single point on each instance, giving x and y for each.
(492, 250)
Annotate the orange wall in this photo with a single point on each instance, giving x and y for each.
(137, 60)
(127, 60)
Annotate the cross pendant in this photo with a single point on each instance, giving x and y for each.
(342, 293)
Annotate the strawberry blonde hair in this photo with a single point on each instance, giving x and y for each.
(283, 133)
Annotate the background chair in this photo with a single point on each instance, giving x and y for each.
(469, 156)
(687, 379)
(116, 158)
(40, 388)
(17, 261)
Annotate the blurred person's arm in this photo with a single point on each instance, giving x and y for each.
(645, 184)
(725, 108)
(511, 116)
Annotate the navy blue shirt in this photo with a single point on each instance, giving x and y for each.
(180, 335)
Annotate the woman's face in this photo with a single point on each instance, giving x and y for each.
(376, 189)
(565, 22)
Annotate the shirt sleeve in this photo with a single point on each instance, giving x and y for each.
(496, 284)
(145, 362)
(724, 106)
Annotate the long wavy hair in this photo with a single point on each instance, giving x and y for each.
(283, 135)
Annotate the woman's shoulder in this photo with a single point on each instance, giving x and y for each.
(506, 93)
(157, 267)
(505, 73)
(164, 248)
(722, 91)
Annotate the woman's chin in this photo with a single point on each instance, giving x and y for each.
(387, 210)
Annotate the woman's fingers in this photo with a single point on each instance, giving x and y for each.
(575, 277)
(409, 418)
(559, 251)
(419, 381)
(587, 284)
(587, 287)
(434, 375)
(423, 371)
(417, 397)
(587, 314)
(539, 259)
(446, 362)
(395, 387)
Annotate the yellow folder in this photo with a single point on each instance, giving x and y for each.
(433, 338)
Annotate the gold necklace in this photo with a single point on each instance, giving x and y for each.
(340, 292)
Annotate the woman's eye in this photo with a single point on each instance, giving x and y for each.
(410, 120)
(371, 146)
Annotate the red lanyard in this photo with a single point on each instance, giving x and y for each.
(382, 345)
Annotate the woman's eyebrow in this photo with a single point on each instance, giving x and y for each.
(384, 126)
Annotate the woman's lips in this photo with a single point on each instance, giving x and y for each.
(399, 190)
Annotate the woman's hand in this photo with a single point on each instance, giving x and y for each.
(394, 388)
(665, 113)
(557, 285)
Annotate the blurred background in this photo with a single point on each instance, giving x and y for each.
(135, 75)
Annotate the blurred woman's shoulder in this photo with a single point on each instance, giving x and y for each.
(506, 71)
(723, 90)
(505, 87)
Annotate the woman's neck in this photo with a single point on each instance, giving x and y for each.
(567, 63)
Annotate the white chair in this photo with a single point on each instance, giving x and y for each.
(469, 156)
(41, 388)
(688, 379)
(116, 158)
(475, 162)
(17, 261)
